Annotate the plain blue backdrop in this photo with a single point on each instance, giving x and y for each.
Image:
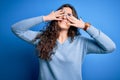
(17, 57)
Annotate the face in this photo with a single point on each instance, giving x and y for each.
(64, 22)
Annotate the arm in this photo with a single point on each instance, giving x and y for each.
(101, 43)
(21, 28)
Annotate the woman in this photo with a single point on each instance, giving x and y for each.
(60, 46)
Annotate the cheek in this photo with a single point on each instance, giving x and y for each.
(59, 23)
(63, 25)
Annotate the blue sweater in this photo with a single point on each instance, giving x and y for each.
(67, 60)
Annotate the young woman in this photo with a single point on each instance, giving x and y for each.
(60, 46)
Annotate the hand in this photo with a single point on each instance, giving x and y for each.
(76, 22)
(54, 15)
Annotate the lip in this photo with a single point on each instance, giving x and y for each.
(64, 21)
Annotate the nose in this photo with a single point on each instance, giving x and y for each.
(64, 16)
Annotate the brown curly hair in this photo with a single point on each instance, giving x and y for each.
(49, 36)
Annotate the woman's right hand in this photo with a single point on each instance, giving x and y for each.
(54, 15)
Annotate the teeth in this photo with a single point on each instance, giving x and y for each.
(64, 22)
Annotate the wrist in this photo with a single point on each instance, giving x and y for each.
(87, 25)
(45, 18)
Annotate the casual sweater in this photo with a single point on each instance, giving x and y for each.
(67, 61)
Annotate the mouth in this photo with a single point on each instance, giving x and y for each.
(64, 21)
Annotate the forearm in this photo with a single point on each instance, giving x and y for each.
(27, 23)
(46, 18)
(102, 40)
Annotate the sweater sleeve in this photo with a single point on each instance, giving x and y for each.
(101, 43)
(22, 28)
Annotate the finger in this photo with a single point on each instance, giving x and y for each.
(58, 18)
(59, 15)
(59, 12)
(81, 19)
(53, 12)
(70, 19)
(73, 18)
(71, 24)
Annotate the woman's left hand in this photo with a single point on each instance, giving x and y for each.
(76, 22)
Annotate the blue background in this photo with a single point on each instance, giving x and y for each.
(17, 58)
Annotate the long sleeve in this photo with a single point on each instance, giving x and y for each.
(22, 28)
(101, 43)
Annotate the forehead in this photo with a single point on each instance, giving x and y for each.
(67, 9)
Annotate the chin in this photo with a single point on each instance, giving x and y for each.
(64, 26)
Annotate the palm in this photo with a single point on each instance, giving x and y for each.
(76, 22)
(55, 15)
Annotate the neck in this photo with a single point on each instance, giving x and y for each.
(63, 36)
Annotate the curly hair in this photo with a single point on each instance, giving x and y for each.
(49, 36)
